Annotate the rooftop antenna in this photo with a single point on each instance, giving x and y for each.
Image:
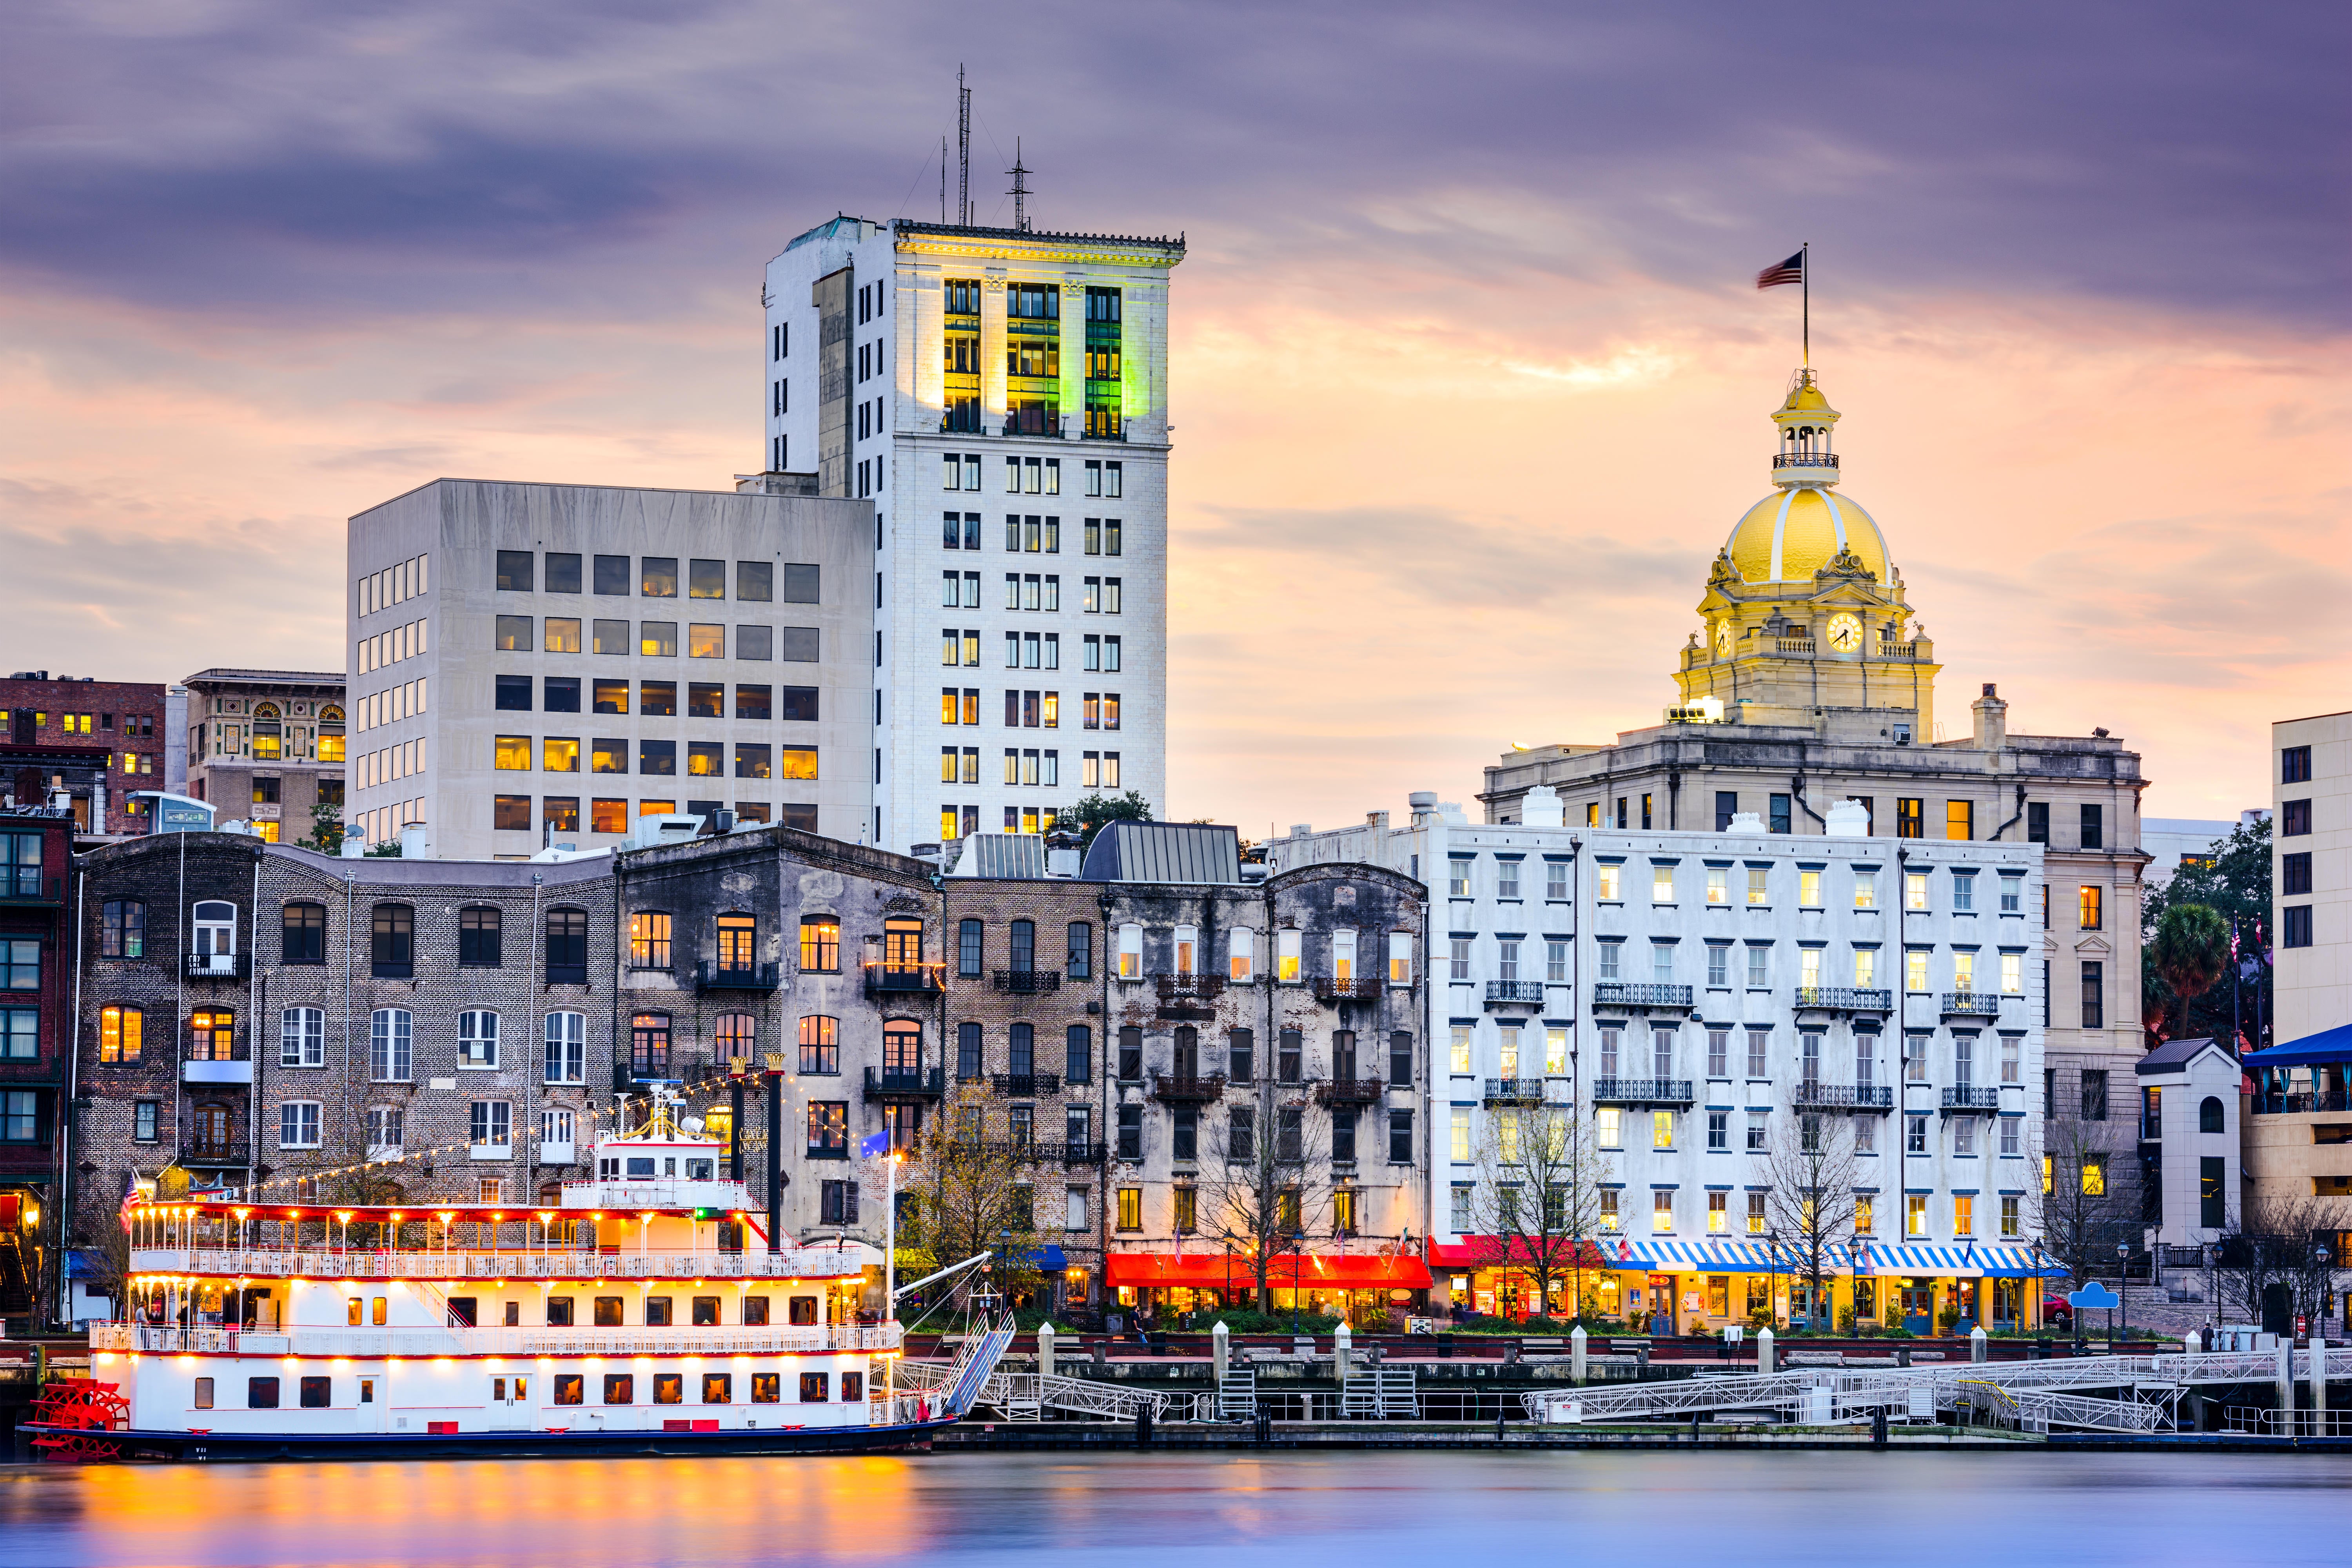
(963, 151)
(943, 179)
(1020, 189)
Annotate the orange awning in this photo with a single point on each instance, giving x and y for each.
(1221, 1270)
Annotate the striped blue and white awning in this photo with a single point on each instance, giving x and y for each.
(1723, 1254)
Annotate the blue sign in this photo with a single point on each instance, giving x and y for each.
(2092, 1296)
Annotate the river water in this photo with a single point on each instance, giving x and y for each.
(1562, 1507)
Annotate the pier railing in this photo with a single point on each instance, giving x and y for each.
(796, 1263)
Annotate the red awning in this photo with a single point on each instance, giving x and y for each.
(1490, 1252)
(1219, 1270)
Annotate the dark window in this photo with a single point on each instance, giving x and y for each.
(303, 933)
(1290, 1051)
(1024, 949)
(2294, 819)
(837, 1203)
(558, 1315)
(1020, 1049)
(1079, 960)
(2212, 1197)
(2094, 1094)
(2209, 1114)
(123, 933)
(2095, 995)
(1130, 1055)
(1130, 1132)
(754, 701)
(658, 757)
(392, 942)
(1399, 1137)
(513, 693)
(968, 947)
(2049, 1093)
(318, 1392)
(562, 572)
(2294, 765)
(261, 1394)
(1289, 1133)
(1184, 1138)
(800, 585)
(1399, 1059)
(479, 943)
(2295, 926)
(797, 703)
(755, 1311)
(2037, 822)
(815, 1388)
(2093, 826)
(1077, 1054)
(706, 699)
(798, 645)
(2295, 872)
(1726, 806)
(461, 1312)
(968, 1063)
(1343, 1133)
(1241, 1056)
(514, 571)
(560, 694)
(612, 576)
(567, 947)
(657, 1312)
(1779, 823)
(755, 581)
(657, 577)
(510, 813)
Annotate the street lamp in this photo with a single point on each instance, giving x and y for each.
(2123, 1282)
(1297, 1249)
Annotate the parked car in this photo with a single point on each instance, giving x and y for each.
(2057, 1309)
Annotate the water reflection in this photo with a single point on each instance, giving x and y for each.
(1766, 1509)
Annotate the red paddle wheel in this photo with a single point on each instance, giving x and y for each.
(70, 1415)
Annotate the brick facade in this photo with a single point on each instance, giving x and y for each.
(99, 739)
(35, 1051)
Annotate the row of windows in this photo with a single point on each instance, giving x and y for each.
(395, 584)
(656, 577)
(1030, 709)
(1040, 591)
(704, 759)
(569, 1388)
(1753, 1213)
(658, 640)
(1031, 475)
(655, 698)
(1754, 888)
(561, 813)
(1910, 816)
(1755, 972)
(1234, 1139)
(1029, 651)
(1031, 533)
(392, 937)
(1241, 953)
(388, 648)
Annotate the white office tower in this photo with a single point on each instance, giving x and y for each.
(1002, 395)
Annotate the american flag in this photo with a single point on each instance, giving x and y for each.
(1790, 271)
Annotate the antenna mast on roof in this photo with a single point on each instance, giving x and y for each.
(943, 179)
(963, 151)
(1020, 189)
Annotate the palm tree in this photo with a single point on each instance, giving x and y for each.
(2190, 951)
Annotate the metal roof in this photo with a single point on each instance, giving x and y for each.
(1164, 852)
(1012, 855)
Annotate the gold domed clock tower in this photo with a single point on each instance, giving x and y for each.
(1804, 610)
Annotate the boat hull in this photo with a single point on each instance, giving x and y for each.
(241, 1448)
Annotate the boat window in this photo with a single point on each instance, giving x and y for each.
(701, 1170)
(764, 1387)
(804, 1309)
(261, 1394)
(461, 1312)
(706, 1315)
(620, 1388)
(755, 1311)
(658, 1314)
(718, 1388)
(559, 1316)
(670, 1388)
(318, 1392)
(641, 1165)
(608, 1315)
(567, 1385)
(815, 1388)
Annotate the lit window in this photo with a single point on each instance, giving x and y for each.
(1662, 1211)
(1662, 1130)
(512, 755)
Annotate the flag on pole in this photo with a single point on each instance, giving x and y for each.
(878, 1145)
(1790, 271)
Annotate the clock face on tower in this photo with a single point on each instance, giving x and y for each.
(1723, 640)
(1845, 631)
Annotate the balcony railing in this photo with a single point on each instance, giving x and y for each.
(712, 976)
(2281, 1103)
(1172, 1088)
(909, 1083)
(1642, 1091)
(206, 1151)
(1637, 993)
(1845, 1095)
(1078, 1153)
(1845, 998)
(1805, 459)
(1026, 1084)
(1188, 996)
(454, 1339)
(1028, 981)
(1975, 1004)
(1515, 993)
(218, 965)
(1793, 645)
(1968, 1098)
(1515, 1091)
(1349, 1091)
(926, 979)
(1330, 989)
(642, 1065)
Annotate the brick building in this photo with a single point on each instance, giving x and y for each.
(267, 746)
(99, 740)
(35, 1051)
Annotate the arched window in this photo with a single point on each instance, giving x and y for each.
(820, 1045)
(735, 1035)
(391, 1036)
(567, 947)
(123, 932)
(567, 1048)
(268, 733)
(330, 734)
(477, 1039)
(1024, 946)
(1188, 947)
(215, 923)
(2209, 1114)
(481, 945)
(739, 943)
(902, 1047)
(302, 933)
(650, 1044)
(391, 942)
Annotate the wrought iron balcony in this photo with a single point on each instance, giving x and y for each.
(906, 1083)
(1813, 1096)
(1078, 1153)
(1639, 994)
(1845, 998)
(924, 979)
(1665, 1091)
(1171, 1088)
(1347, 1092)
(1027, 1084)
(709, 975)
(1028, 981)
(210, 1152)
(1515, 993)
(1515, 1091)
(1972, 1004)
(642, 1067)
(1330, 989)
(1968, 1100)
(218, 965)
(1804, 459)
(1188, 996)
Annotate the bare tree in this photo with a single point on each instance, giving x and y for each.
(1538, 1195)
(2283, 1245)
(1265, 1181)
(1810, 1206)
(2078, 1208)
(972, 1190)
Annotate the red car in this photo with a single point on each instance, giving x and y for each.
(2057, 1309)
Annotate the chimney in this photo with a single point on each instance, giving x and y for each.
(1992, 720)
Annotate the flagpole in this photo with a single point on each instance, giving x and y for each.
(1805, 281)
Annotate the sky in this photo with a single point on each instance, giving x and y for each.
(1469, 377)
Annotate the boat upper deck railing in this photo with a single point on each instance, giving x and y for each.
(415, 1341)
(556, 1263)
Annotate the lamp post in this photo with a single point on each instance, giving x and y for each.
(2123, 1283)
(1297, 1249)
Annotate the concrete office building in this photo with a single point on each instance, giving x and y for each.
(536, 663)
(266, 746)
(1002, 396)
(1689, 995)
(2172, 842)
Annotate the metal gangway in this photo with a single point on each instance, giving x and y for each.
(1026, 1395)
(1382, 1393)
(2039, 1394)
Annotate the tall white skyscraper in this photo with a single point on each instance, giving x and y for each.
(1002, 396)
